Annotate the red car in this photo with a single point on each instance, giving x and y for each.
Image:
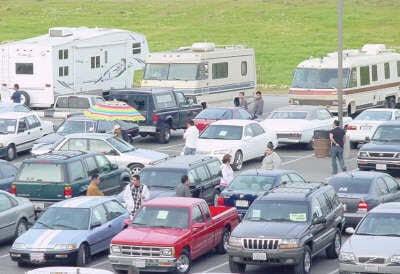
(212, 114)
(167, 234)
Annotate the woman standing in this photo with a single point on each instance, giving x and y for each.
(271, 160)
(227, 171)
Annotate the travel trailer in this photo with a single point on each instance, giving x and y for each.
(210, 73)
(70, 60)
(371, 78)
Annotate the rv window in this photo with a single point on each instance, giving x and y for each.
(63, 71)
(244, 68)
(23, 68)
(318, 78)
(78, 102)
(63, 54)
(66, 71)
(136, 48)
(95, 62)
(156, 72)
(220, 70)
(183, 72)
(364, 76)
(105, 57)
(398, 68)
(353, 78)
(387, 71)
(374, 72)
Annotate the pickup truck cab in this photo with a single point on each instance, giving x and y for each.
(164, 109)
(168, 234)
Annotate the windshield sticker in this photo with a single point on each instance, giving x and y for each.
(343, 189)
(11, 128)
(223, 133)
(298, 217)
(256, 213)
(162, 215)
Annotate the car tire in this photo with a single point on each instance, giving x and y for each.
(332, 252)
(183, 263)
(238, 161)
(304, 267)
(164, 135)
(21, 228)
(83, 256)
(143, 134)
(135, 168)
(22, 264)
(222, 247)
(25, 98)
(11, 153)
(235, 267)
(353, 145)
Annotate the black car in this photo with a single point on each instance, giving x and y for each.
(164, 109)
(288, 226)
(361, 191)
(203, 172)
(382, 152)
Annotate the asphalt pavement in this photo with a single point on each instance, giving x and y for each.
(293, 157)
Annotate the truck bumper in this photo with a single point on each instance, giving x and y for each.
(151, 264)
(371, 164)
(147, 129)
(367, 268)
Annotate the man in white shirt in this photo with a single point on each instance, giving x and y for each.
(135, 194)
(191, 135)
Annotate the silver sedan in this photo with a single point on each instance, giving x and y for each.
(16, 214)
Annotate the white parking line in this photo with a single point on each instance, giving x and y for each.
(171, 146)
(4, 256)
(100, 263)
(298, 159)
(215, 267)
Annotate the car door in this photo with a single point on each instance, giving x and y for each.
(260, 140)
(33, 126)
(385, 196)
(393, 186)
(296, 178)
(324, 119)
(23, 139)
(7, 176)
(105, 126)
(214, 168)
(244, 114)
(200, 237)
(100, 233)
(80, 144)
(329, 215)
(8, 217)
(185, 112)
(165, 103)
(110, 177)
(285, 179)
(78, 177)
(39, 126)
(317, 230)
(116, 215)
(206, 183)
(248, 144)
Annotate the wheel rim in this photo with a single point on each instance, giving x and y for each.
(167, 134)
(83, 255)
(337, 243)
(136, 170)
(23, 99)
(182, 264)
(307, 262)
(10, 153)
(21, 229)
(239, 160)
(226, 239)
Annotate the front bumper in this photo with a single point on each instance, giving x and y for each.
(148, 129)
(67, 257)
(151, 264)
(371, 164)
(274, 257)
(367, 268)
(358, 136)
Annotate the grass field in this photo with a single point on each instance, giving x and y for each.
(282, 32)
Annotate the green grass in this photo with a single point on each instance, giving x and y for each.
(282, 32)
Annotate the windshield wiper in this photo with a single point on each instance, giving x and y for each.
(44, 224)
(259, 219)
(139, 224)
(66, 226)
(389, 235)
(170, 187)
(278, 220)
(366, 234)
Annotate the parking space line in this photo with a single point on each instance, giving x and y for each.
(4, 256)
(100, 263)
(298, 159)
(171, 146)
(215, 267)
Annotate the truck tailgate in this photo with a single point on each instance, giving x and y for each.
(40, 191)
(219, 213)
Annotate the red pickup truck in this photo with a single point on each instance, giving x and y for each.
(167, 234)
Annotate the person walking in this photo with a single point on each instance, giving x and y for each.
(93, 188)
(16, 96)
(337, 137)
(135, 194)
(183, 189)
(191, 135)
(258, 107)
(271, 160)
(226, 170)
(242, 100)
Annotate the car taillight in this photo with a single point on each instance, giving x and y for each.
(155, 118)
(350, 127)
(220, 201)
(68, 192)
(362, 206)
(13, 189)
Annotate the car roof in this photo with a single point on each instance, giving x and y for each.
(143, 90)
(380, 109)
(390, 123)
(298, 108)
(182, 162)
(99, 136)
(393, 207)
(293, 191)
(358, 175)
(175, 202)
(231, 108)
(15, 115)
(83, 201)
(264, 172)
(81, 95)
(58, 156)
(233, 122)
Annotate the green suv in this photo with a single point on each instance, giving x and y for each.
(60, 175)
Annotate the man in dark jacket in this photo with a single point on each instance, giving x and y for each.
(337, 137)
(183, 189)
(258, 107)
(16, 96)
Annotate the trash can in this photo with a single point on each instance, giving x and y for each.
(322, 144)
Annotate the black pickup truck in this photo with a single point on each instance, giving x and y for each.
(164, 109)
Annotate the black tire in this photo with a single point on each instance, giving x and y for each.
(25, 98)
(22, 264)
(119, 271)
(235, 267)
(22, 227)
(179, 267)
(238, 161)
(164, 135)
(304, 267)
(222, 246)
(83, 256)
(11, 153)
(353, 145)
(135, 168)
(332, 251)
(143, 134)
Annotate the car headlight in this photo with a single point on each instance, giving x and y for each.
(222, 151)
(235, 241)
(115, 249)
(398, 155)
(347, 257)
(395, 259)
(19, 246)
(363, 154)
(289, 244)
(167, 252)
(64, 247)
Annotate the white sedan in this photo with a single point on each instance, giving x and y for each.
(296, 124)
(365, 124)
(243, 139)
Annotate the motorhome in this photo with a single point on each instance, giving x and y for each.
(210, 73)
(70, 60)
(371, 78)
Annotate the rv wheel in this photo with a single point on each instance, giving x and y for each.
(25, 98)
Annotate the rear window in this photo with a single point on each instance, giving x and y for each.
(215, 113)
(355, 185)
(138, 101)
(161, 178)
(253, 183)
(164, 100)
(38, 172)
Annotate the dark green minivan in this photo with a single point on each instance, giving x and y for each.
(60, 175)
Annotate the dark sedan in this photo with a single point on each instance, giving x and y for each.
(247, 186)
(360, 191)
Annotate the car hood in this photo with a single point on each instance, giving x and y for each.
(361, 245)
(269, 229)
(157, 192)
(49, 139)
(381, 146)
(150, 236)
(286, 125)
(213, 144)
(366, 122)
(47, 238)
(145, 155)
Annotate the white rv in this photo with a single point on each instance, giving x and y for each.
(371, 78)
(211, 73)
(70, 60)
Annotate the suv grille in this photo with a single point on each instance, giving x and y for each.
(381, 154)
(260, 244)
(371, 260)
(141, 251)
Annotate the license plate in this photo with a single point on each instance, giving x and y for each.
(139, 263)
(37, 257)
(38, 205)
(381, 167)
(242, 203)
(147, 129)
(371, 268)
(260, 256)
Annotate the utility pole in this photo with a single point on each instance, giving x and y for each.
(340, 62)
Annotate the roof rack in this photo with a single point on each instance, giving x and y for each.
(205, 158)
(307, 188)
(60, 155)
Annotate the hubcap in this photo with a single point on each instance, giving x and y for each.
(167, 135)
(239, 160)
(21, 229)
(11, 153)
(83, 256)
(226, 240)
(307, 262)
(337, 244)
(183, 263)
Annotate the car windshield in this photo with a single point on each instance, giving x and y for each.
(215, 113)
(252, 183)
(288, 115)
(120, 145)
(161, 178)
(13, 108)
(222, 132)
(7, 126)
(380, 224)
(278, 211)
(351, 185)
(38, 172)
(172, 72)
(162, 217)
(370, 115)
(75, 126)
(387, 133)
(313, 78)
(64, 218)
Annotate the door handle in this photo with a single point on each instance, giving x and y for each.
(29, 133)
(41, 128)
(109, 225)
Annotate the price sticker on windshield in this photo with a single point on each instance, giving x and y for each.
(162, 215)
(11, 128)
(256, 213)
(298, 217)
(223, 133)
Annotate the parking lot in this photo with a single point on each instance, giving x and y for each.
(293, 157)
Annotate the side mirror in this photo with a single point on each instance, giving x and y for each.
(96, 224)
(114, 166)
(198, 226)
(319, 220)
(350, 231)
(367, 139)
(113, 152)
